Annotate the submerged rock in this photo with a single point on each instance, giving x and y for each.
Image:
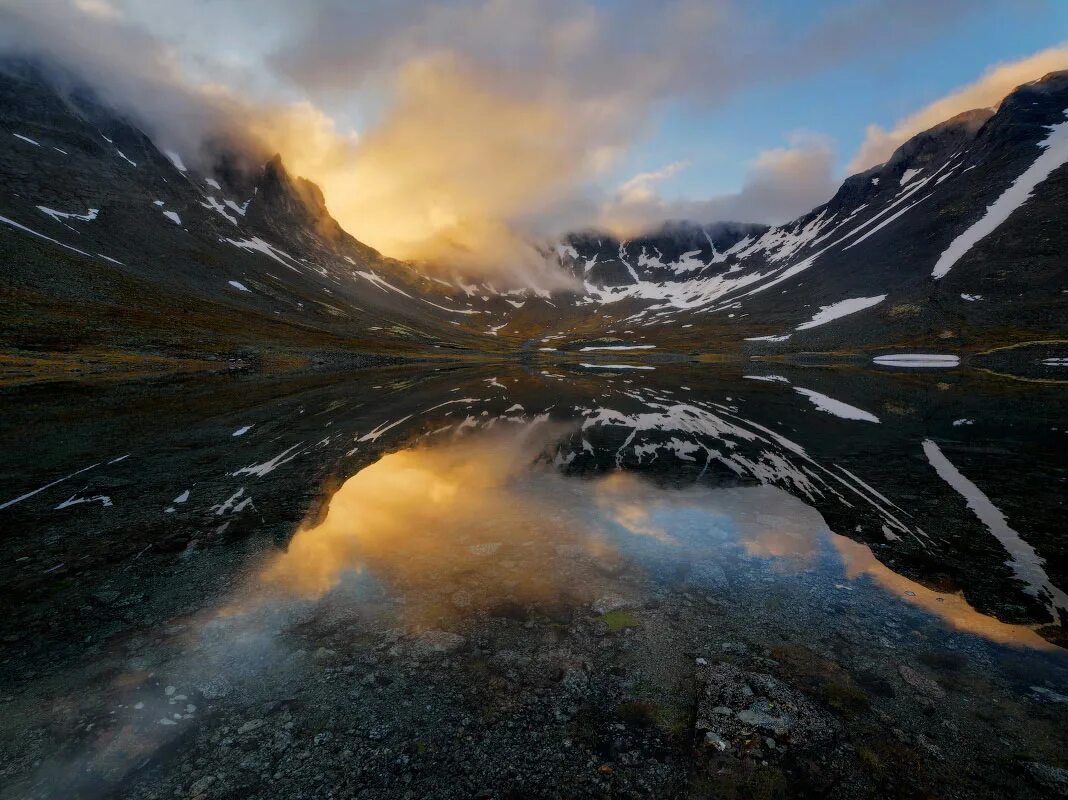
(736, 708)
(921, 683)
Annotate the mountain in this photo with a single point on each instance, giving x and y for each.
(957, 241)
(673, 253)
(111, 244)
(115, 249)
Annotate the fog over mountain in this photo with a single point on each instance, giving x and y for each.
(915, 250)
(458, 154)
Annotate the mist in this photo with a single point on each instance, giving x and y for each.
(463, 136)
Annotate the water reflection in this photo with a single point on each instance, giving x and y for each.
(515, 511)
(498, 519)
(458, 526)
(953, 609)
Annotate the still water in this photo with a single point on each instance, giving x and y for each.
(518, 581)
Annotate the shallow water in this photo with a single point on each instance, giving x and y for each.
(569, 566)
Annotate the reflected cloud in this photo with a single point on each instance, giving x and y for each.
(764, 521)
(464, 525)
(478, 523)
(953, 609)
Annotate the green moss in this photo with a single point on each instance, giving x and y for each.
(844, 696)
(638, 713)
(762, 783)
(870, 759)
(618, 620)
(767, 783)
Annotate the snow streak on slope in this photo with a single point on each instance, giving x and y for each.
(1055, 154)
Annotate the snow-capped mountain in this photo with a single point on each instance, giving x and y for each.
(101, 227)
(956, 242)
(957, 239)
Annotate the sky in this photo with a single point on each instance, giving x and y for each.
(465, 131)
(842, 101)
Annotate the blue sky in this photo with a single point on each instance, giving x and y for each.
(718, 143)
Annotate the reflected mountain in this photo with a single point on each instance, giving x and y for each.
(843, 531)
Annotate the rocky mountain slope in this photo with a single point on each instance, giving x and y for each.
(110, 242)
(956, 243)
(957, 240)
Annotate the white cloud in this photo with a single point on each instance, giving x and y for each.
(987, 92)
(780, 184)
(97, 8)
(642, 187)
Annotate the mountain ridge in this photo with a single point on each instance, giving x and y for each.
(851, 276)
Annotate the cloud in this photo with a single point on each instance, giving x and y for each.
(642, 187)
(780, 184)
(460, 132)
(98, 8)
(988, 91)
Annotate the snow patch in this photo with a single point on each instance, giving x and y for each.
(918, 360)
(257, 245)
(781, 338)
(383, 284)
(840, 309)
(618, 347)
(59, 216)
(215, 205)
(909, 174)
(175, 159)
(614, 366)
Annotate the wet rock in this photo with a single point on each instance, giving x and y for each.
(1055, 778)
(609, 602)
(921, 683)
(324, 654)
(214, 688)
(200, 786)
(708, 574)
(434, 642)
(736, 707)
(462, 598)
(759, 716)
(251, 726)
(715, 741)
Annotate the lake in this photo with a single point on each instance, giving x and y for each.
(625, 578)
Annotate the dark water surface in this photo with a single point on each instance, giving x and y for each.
(511, 581)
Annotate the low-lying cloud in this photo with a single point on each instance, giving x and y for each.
(780, 184)
(463, 133)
